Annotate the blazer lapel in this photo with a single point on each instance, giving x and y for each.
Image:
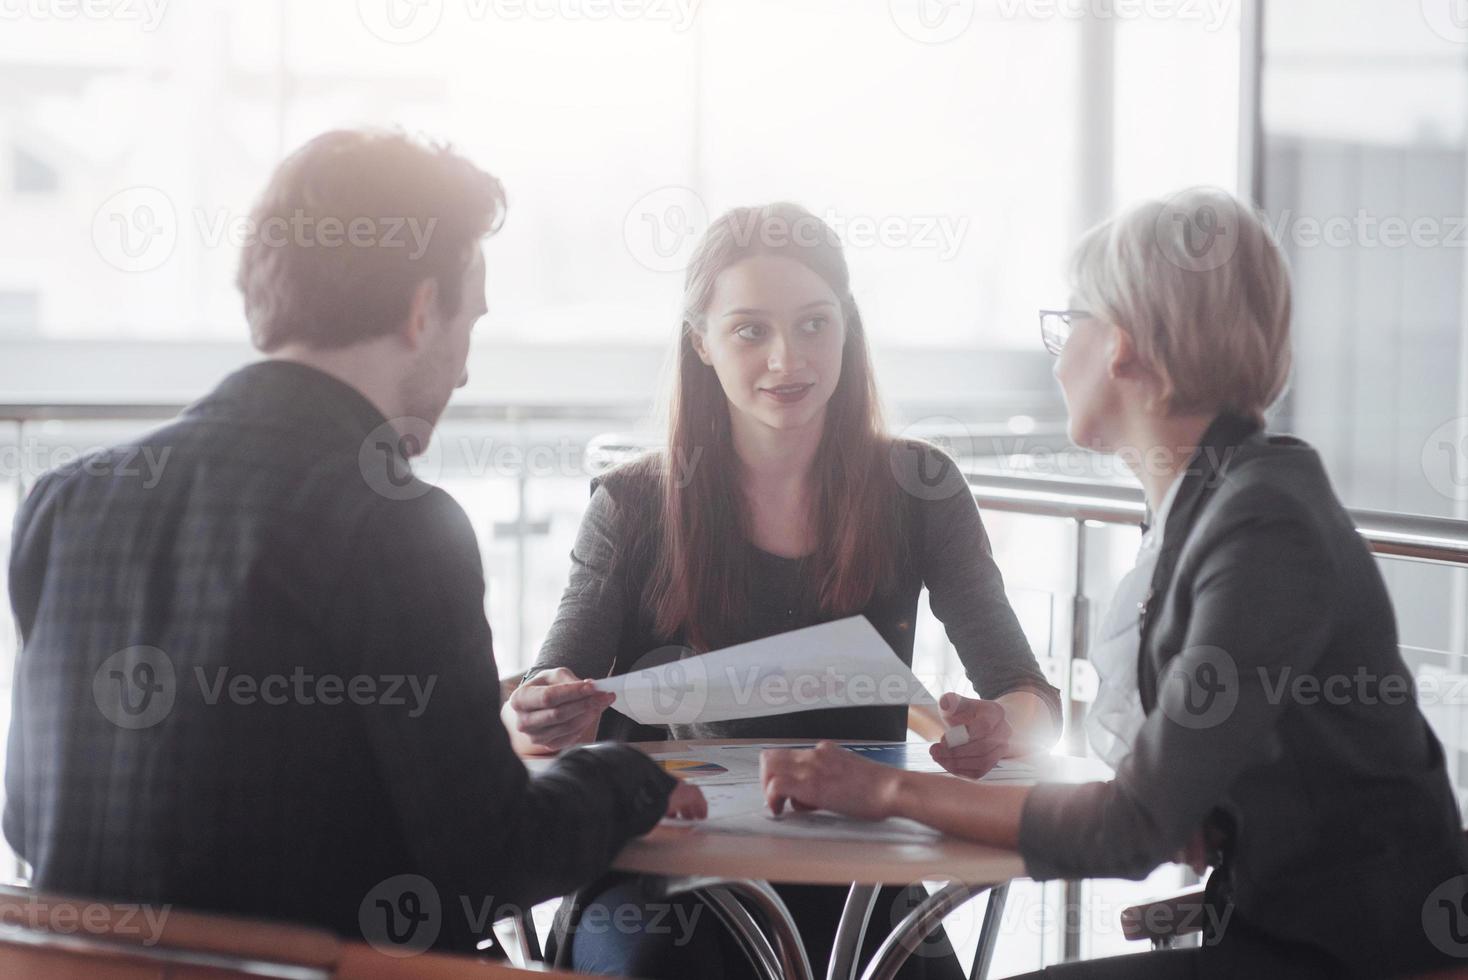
(1201, 479)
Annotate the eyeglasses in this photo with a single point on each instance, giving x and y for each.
(1056, 325)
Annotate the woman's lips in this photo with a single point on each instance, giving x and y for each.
(788, 394)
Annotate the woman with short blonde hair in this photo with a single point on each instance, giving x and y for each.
(1166, 270)
(1329, 819)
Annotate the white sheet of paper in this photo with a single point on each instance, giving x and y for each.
(844, 664)
(1011, 771)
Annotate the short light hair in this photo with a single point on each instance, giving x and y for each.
(1201, 286)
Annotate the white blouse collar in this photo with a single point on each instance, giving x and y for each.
(1152, 540)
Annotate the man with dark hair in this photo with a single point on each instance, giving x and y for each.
(261, 681)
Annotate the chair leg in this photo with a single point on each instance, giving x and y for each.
(527, 941)
(989, 932)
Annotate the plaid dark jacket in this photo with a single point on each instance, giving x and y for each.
(256, 677)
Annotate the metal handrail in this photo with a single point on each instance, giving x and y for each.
(1388, 533)
(1051, 496)
(1432, 539)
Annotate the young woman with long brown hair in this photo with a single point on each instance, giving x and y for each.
(780, 502)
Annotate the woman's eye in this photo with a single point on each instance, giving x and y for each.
(750, 331)
(814, 325)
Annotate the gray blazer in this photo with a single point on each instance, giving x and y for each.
(1281, 719)
(605, 623)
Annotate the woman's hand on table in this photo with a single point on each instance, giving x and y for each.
(555, 709)
(829, 777)
(687, 803)
(990, 736)
(1018, 723)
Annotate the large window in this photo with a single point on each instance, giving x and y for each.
(944, 143)
(1365, 126)
(1365, 188)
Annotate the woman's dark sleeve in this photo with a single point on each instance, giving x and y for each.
(588, 624)
(965, 588)
(1261, 600)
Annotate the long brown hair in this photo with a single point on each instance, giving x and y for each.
(701, 577)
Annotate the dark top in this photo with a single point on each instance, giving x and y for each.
(1286, 723)
(280, 752)
(604, 625)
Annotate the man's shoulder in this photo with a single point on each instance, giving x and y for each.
(186, 451)
(144, 461)
(431, 524)
(255, 472)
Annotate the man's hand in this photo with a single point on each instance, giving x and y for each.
(687, 803)
(829, 777)
(555, 709)
(990, 737)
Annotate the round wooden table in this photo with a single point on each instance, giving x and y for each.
(718, 866)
